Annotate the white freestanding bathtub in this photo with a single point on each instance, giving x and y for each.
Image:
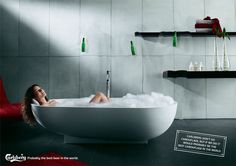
(114, 124)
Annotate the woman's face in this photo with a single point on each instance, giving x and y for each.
(39, 93)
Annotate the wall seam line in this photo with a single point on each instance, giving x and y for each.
(18, 44)
(205, 66)
(79, 58)
(109, 56)
(49, 43)
(142, 49)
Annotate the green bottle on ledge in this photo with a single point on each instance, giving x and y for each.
(132, 48)
(174, 39)
(83, 46)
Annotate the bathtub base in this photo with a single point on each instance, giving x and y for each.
(78, 140)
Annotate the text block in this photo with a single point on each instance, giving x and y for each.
(200, 143)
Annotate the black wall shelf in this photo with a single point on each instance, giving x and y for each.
(199, 74)
(179, 33)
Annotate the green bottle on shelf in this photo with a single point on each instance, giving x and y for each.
(83, 46)
(175, 39)
(132, 48)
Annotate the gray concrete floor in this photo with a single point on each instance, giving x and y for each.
(19, 138)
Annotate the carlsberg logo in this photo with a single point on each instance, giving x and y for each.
(12, 158)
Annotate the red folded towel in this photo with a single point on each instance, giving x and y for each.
(203, 25)
(198, 21)
(207, 18)
(206, 30)
(215, 25)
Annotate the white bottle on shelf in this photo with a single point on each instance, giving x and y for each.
(200, 67)
(191, 67)
(195, 66)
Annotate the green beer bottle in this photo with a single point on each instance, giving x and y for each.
(132, 48)
(83, 46)
(175, 39)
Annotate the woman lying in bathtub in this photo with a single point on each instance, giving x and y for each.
(35, 92)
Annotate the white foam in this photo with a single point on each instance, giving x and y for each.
(128, 101)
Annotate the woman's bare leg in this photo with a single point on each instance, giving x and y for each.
(99, 98)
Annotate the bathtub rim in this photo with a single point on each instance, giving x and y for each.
(106, 107)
